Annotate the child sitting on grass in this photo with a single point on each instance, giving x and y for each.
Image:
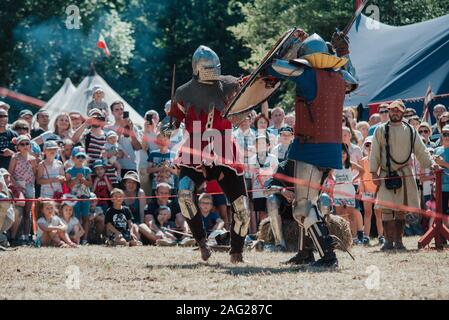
(74, 229)
(53, 231)
(119, 224)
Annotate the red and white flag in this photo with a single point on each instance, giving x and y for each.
(427, 99)
(102, 45)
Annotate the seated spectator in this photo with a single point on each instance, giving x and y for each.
(119, 225)
(102, 186)
(63, 130)
(98, 101)
(74, 229)
(160, 163)
(163, 193)
(220, 201)
(10, 189)
(135, 196)
(52, 230)
(262, 165)
(154, 231)
(285, 139)
(7, 215)
(23, 169)
(50, 172)
(211, 220)
(96, 222)
(79, 180)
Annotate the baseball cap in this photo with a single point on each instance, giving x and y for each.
(98, 163)
(95, 111)
(286, 129)
(25, 112)
(111, 133)
(22, 137)
(78, 151)
(397, 104)
(50, 144)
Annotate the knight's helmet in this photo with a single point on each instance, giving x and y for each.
(315, 50)
(206, 64)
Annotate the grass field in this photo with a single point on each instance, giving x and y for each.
(97, 272)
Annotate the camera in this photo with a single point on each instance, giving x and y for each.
(125, 114)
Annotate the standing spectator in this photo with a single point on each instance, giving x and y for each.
(102, 186)
(438, 111)
(119, 225)
(363, 128)
(261, 125)
(409, 112)
(355, 135)
(79, 181)
(263, 165)
(65, 154)
(11, 215)
(290, 119)
(425, 131)
(414, 121)
(285, 139)
(23, 169)
(134, 196)
(368, 190)
(344, 194)
(442, 121)
(50, 172)
(383, 115)
(98, 101)
(442, 158)
(128, 142)
(211, 220)
(63, 130)
(374, 120)
(6, 138)
(26, 115)
(402, 142)
(94, 140)
(42, 119)
(147, 138)
(160, 163)
(246, 140)
(76, 119)
(4, 106)
(21, 127)
(277, 119)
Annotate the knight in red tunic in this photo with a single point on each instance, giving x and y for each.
(209, 152)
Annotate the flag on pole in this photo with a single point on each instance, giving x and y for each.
(102, 45)
(427, 99)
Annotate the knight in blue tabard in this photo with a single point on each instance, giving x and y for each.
(323, 75)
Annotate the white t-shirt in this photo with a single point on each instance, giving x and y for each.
(71, 224)
(343, 188)
(261, 171)
(54, 222)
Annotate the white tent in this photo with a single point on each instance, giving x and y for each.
(56, 104)
(83, 95)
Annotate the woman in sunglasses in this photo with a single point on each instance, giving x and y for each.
(425, 131)
(23, 169)
(442, 121)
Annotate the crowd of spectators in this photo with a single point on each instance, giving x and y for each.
(115, 182)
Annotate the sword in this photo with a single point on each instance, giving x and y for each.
(174, 231)
(357, 13)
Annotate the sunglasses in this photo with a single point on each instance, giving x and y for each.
(383, 111)
(423, 131)
(3, 116)
(22, 128)
(446, 134)
(81, 157)
(24, 144)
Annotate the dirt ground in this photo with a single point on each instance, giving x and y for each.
(99, 272)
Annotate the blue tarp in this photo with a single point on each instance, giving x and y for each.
(400, 62)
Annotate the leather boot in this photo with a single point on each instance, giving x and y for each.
(305, 251)
(399, 228)
(390, 231)
(204, 249)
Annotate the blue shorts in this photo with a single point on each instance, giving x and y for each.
(219, 200)
(82, 209)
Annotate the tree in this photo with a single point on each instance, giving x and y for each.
(187, 24)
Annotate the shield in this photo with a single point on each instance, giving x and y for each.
(257, 88)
